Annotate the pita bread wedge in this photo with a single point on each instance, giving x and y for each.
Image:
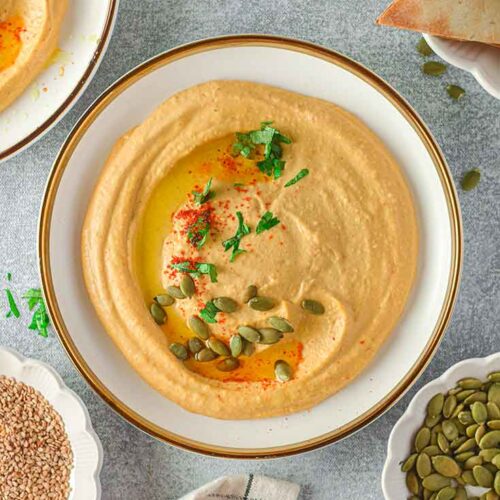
(474, 20)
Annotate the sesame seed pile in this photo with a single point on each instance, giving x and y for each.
(35, 453)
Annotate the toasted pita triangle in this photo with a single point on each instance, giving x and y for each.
(475, 20)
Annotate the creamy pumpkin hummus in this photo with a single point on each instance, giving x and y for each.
(346, 238)
(29, 31)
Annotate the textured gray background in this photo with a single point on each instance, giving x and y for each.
(135, 465)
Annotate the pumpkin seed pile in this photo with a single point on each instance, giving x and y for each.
(204, 347)
(459, 443)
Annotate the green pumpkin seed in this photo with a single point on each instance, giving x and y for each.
(494, 377)
(433, 436)
(412, 483)
(447, 493)
(159, 315)
(493, 411)
(179, 351)
(443, 443)
(465, 417)
(491, 467)
(250, 293)
(461, 494)
(427, 494)
(218, 346)
(422, 439)
(489, 495)
(494, 393)
(464, 456)
(423, 465)
(205, 355)
(187, 286)
(227, 365)
(435, 405)
(446, 466)
(259, 303)
(471, 179)
(269, 336)
(494, 425)
(195, 345)
(450, 403)
(457, 410)
(249, 333)
(225, 304)
(449, 430)
(423, 47)
(431, 421)
(436, 482)
(433, 68)
(175, 292)
(470, 431)
(313, 306)
(280, 324)
(496, 460)
(473, 461)
(282, 371)
(164, 300)
(476, 396)
(479, 412)
(489, 454)
(467, 445)
(457, 442)
(409, 463)
(431, 450)
(464, 394)
(236, 345)
(199, 327)
(248, 348)
(470, 383)
(490, 440)
(460, 426)
(496, 483)
(482, 476)
(468, 478)
(480, 432)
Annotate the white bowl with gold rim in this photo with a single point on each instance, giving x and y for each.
(274, 61)
(85, 445)
(400, 440)
(85, 35)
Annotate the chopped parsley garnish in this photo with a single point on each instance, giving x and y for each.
(205, 195)
(13, 309)
(40, 320)
(209, 312)
(196, 269)
(271, 139)
(234, 242)
(266, 222)
(297, 178)
(198, 231)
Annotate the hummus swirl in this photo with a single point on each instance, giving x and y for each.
(29, 32)
(347, 237)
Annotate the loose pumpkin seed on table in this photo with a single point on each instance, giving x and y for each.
(459, 443)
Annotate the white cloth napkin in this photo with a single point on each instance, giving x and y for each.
(245, 487)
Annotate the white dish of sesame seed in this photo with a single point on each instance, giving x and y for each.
(39, 413)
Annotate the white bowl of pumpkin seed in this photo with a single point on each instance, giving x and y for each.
(447, 444)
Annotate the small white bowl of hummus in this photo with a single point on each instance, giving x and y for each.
(252, 251)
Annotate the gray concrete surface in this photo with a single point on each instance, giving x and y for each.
(135, 465)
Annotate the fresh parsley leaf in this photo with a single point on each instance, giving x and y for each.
(266, 222)
(13, 309)
(40, 319)
(198, 231)
(196, 269)
(209, 312)
(297, 178)
(205, 195)
(271, 139)
(234, 242)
